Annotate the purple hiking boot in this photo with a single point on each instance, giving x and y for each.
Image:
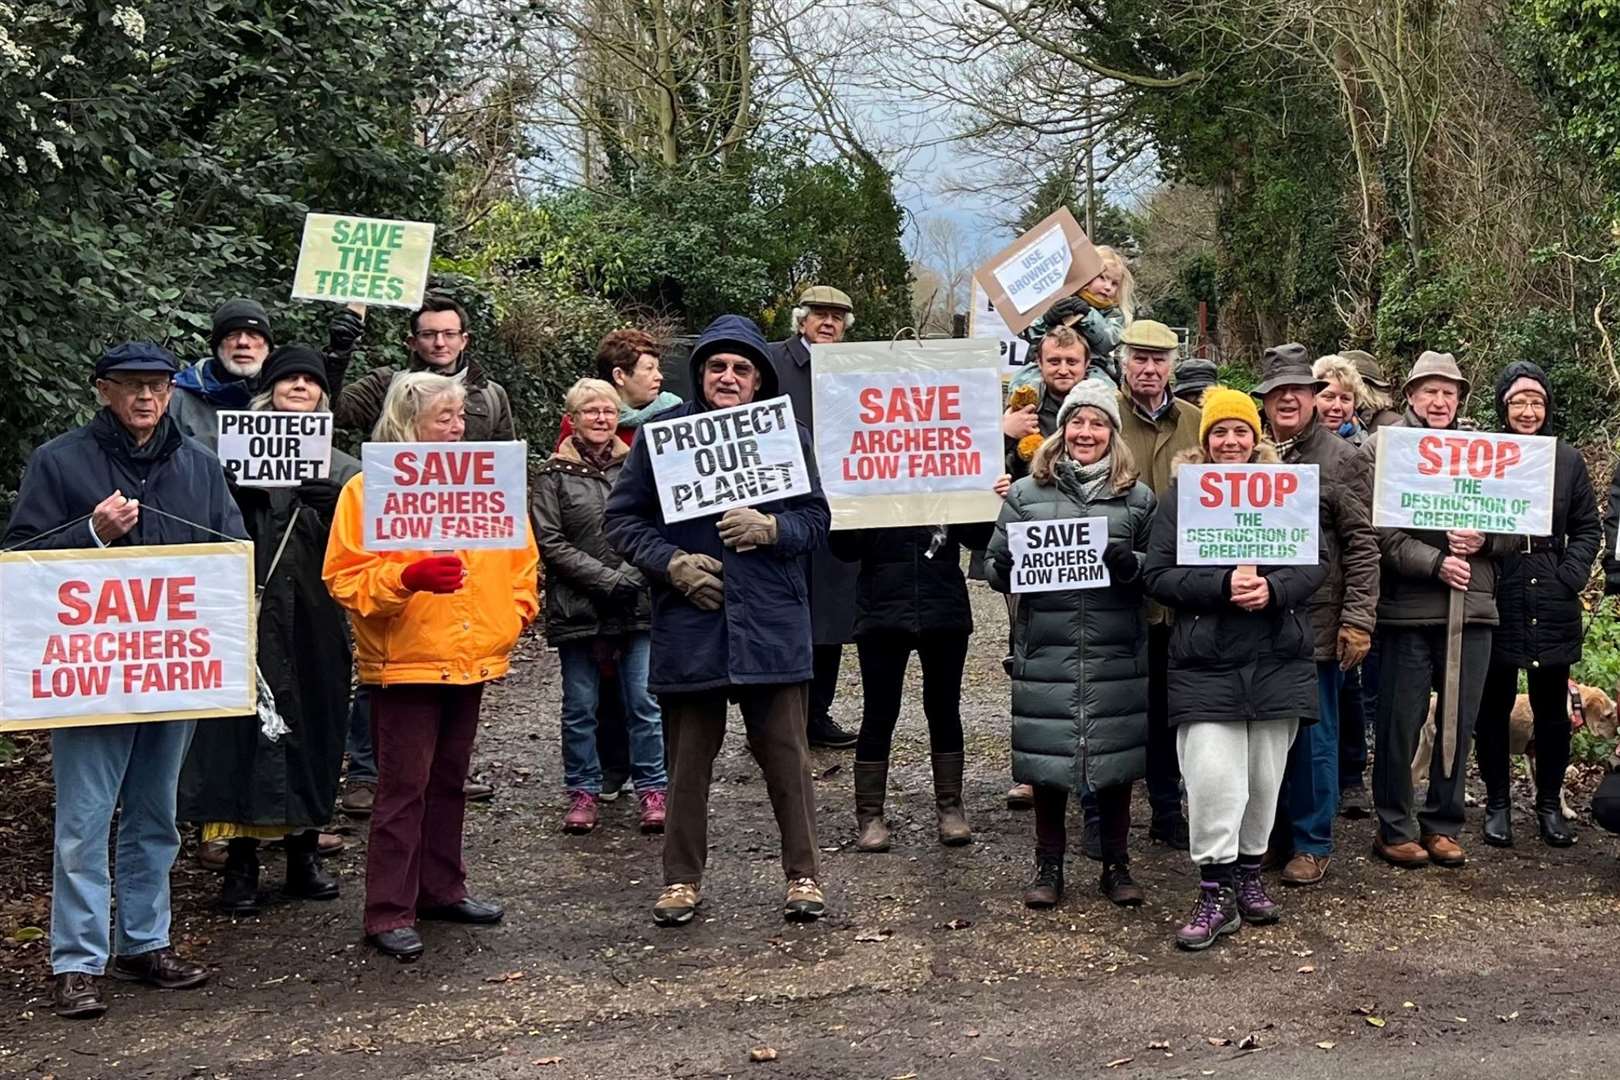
(1213, 914)
(1252, 901)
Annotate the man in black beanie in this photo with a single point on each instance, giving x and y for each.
(241, 341)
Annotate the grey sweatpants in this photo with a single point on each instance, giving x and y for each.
(1233, 771)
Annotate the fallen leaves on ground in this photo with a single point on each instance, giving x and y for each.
(1117, 1062)
(762, 1053)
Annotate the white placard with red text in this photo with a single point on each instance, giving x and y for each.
(1482, 481)
(1233, 515)
(123, 635)
(445, 496)
(908, 433)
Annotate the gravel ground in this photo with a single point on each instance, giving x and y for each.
(928, 966)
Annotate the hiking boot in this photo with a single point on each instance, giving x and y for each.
(825, 734)
(1305, 869)
(953, 824)
(1020, 797)
(652, 811)
(239, 882)
(677, 904)
(1498, 822)
(1354, 804)
(1408, 854)
(1443, 850)
(77, 996)
(805, 902)
(1214, 913)
(871, 786)
(306, 878)
(1046, 888)
(1550, 823)
(161, 968)
(581, 816)
(1253, 903)
(1171, 831)
(358, 798)
(1118, 885)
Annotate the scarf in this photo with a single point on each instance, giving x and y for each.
(226, 392)
(632, 417)
(118, 442)
(1083, 483)
(598, 458)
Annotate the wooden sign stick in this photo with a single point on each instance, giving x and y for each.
(1447, 720)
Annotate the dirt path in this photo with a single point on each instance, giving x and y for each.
(928, 966)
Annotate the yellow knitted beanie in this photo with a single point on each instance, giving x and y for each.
(1224, 403)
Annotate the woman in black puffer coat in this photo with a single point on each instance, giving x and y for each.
(1538, 602)
(910, 597)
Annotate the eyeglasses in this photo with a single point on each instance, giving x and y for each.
(155, 387)
(438, 335)
(604, 410)
(1527, 402)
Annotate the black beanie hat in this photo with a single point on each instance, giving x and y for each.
(294, 360)
(239, 314)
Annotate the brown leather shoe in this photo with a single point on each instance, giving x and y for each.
(1443, 850)
(1020, 797)
(1305, 869)
(77, 996)
(161, 968)
(1408, 855)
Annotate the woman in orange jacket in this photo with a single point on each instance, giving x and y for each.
(429, 631)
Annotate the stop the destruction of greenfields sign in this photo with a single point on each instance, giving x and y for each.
(356, 260)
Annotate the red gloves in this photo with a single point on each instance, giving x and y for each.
(434, 574)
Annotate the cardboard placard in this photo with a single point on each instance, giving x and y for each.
(1050, 556)
(275, 449)
(1483, 481)
(908, 433)
(127, 635)
(345, 259)
(445, 496)
(1051, 261)
(985, 322)
(1243, 515)
(715, 461)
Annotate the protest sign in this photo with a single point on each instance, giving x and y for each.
(1232, 515)
(715, 461)
(908, 433)
(1049, 556)
(445, 496)
(985, 322)
(275, 449)
(1047, 263)
(359, 260)
(1475, 480)
(123, 635)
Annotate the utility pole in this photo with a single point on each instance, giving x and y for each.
(1091, 165)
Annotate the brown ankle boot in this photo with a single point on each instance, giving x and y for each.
(871, 783)
(953, 824)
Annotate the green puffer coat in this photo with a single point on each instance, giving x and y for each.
(1079, 697)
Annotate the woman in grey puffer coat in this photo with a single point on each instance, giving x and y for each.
(1079, 698)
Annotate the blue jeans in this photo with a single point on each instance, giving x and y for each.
(362, 755)
(1312, 778)
(582, 680)
(133, 769)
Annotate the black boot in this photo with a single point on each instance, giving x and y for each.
(1555, 831)
(1046, 887)
(239, 884)
(306, 878)
(1498, 821)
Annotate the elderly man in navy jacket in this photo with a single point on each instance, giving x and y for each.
(129, 476)
(731, 622)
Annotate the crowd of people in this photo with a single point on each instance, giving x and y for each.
(1242, 696)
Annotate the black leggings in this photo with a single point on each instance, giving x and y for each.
(883, 676)
(1549, 703)
(1051, 830)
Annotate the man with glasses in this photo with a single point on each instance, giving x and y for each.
(240, 343)
(128, 477)
(1157, 426)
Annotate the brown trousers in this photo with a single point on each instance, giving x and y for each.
(694, 729)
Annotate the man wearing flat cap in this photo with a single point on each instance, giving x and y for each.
(1194, 375)
(823, 316)
(239, 344)
(102, 485)
(1421, 568)
(1343, 610)
(1157, 426)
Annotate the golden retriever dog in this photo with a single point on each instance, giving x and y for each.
(1598, 715)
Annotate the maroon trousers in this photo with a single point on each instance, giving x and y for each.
(423, 736)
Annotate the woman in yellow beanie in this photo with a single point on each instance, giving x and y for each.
(1242, 680)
